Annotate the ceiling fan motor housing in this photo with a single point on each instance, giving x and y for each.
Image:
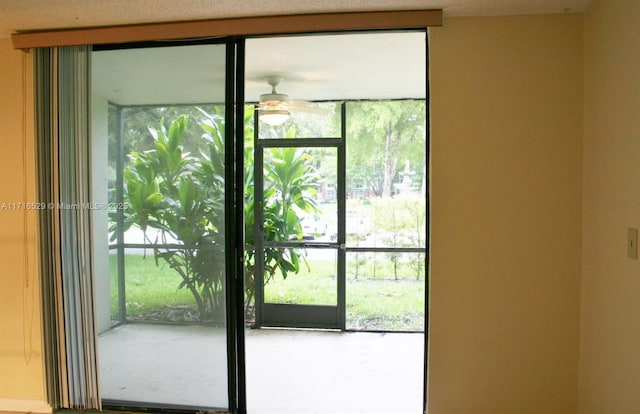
(273, 98)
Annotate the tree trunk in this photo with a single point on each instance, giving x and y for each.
(423, 187)
(389, 165)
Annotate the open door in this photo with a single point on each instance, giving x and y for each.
(299, 183)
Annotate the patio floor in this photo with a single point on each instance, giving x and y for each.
(288, 371)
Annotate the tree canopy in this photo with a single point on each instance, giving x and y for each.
(382, 137)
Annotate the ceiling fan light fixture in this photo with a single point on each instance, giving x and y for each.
(274, 117)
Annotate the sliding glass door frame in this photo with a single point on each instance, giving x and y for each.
(234, 199)
(234, 223)
(234, 219)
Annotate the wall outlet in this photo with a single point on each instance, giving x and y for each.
(632, 243)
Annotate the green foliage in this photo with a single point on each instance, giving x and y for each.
(381, 136)
(372, 303)
(174, 184)
(402, 223)
(182, 196)
(148, 286)
(290, 188)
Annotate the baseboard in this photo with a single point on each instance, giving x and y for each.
(18, 406)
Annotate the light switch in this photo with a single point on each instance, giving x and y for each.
(632, 243)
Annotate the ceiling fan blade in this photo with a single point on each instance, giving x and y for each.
(311, 110)
(308, 107)
(294, 106)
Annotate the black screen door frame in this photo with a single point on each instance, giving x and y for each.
(300, 315)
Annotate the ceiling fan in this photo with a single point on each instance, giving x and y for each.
(275, 108)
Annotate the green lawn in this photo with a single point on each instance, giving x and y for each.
(147, 286)
(380, 303)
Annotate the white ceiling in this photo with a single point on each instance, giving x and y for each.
(18, 15)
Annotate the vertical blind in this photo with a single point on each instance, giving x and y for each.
(62, 79)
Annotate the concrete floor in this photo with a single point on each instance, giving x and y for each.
(287, 371)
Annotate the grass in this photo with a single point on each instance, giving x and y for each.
(147, 286)
(373, 303)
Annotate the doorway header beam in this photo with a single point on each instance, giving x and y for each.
(245, 26)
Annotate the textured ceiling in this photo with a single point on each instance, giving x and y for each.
(17, 15)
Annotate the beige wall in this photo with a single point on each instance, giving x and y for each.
(610, 328)
(506, 214)
(21, 371)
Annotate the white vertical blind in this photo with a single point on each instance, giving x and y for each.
(63, 157)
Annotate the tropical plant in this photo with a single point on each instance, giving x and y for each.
(182, 197)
